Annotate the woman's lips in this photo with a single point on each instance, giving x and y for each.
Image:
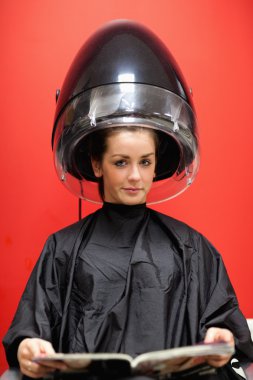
(131, 190)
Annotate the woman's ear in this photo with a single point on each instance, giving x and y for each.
(96, 166)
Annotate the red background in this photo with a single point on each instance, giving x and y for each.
(211, 40)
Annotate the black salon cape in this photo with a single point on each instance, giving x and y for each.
(127, 279)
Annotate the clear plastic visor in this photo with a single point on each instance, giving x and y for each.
(126, 104)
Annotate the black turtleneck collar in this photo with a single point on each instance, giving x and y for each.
(118, 224)
(124, 211)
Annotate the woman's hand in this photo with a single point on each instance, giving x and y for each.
(216, 335)
(30, 348)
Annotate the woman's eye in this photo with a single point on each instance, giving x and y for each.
(120, 163)
(145, 162)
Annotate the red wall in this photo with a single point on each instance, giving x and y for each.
(211, 40)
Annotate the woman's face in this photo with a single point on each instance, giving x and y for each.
(127, 167)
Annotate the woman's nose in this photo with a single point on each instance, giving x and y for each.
(134, 173)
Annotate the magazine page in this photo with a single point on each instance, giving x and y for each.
(178, 359)
(157, 362)
(80, 361)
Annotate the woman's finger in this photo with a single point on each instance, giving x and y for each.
(34, 370)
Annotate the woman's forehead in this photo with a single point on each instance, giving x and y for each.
(135, 133)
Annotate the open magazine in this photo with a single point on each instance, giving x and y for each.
(169, 361)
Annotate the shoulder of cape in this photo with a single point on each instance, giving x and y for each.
(181, 231)
(188, 237)
(67, 235)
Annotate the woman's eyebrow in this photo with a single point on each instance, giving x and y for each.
(127, 156)
(148, 154)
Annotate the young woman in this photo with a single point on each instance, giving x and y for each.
(126, 278)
